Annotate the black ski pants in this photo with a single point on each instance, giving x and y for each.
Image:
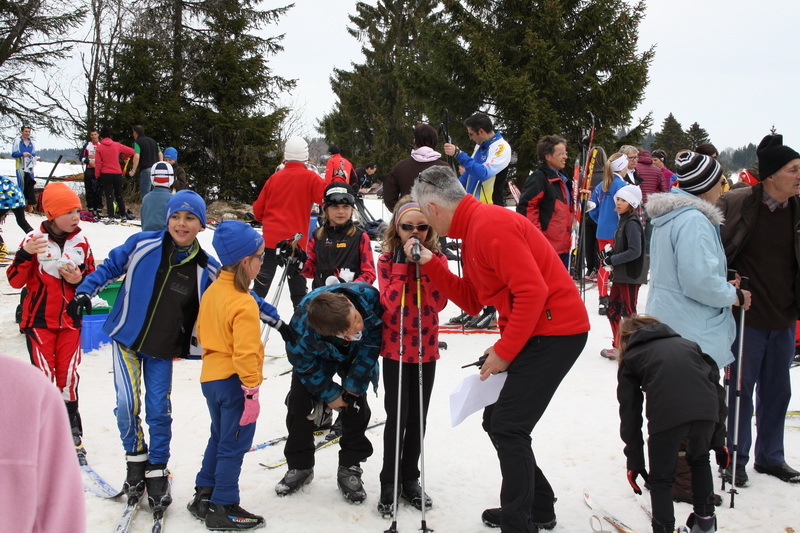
(410, 422)
(19, 216)
(92, 190)
(533, 378)
(355, 447)
(663, 454)
(112, 189)
(297, 283)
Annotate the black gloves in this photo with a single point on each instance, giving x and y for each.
(632, 475)
(287, 333)
(605, 257)
(80, 301)
(400, 255)
(723, 456)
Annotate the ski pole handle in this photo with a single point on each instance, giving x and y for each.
(744, 282)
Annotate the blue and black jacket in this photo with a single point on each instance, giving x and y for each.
(317, 358)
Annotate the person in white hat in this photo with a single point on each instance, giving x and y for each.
(154, 204)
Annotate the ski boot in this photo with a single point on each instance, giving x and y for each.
(3, 250)
(486, 320)
(134, 481)
(156, 478)
(349, 480)
(603, 307)
(491, 518)
(609, 353)
(386, 502)
(198, 507)
(460, 319)
(231, 518)
(293, 480)
(701, 524)
(412, 491)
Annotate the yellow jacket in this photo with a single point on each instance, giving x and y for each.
(223, 311)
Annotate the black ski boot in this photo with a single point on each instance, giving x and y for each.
(231, 518)
(293, 480)
(412, 491)
(199, 505)
(603, 307)
(349, 480)
(486, 320)
(491, 517)
(460, 319)
(156, 478)
(386, 503)
(134, 481)
(702, 524)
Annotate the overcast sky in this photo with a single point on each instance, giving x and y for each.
(730, 65)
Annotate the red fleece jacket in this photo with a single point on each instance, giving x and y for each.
(284, 205)
(509, 264)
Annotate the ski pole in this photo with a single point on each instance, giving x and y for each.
(393, 527)
(727, 380)
(423, 524)
(732, 491)
(265, 330)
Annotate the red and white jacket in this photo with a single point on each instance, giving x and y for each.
(393, 279)
(45, 306)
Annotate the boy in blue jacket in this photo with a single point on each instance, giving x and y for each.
(152, 322)
(338, 331)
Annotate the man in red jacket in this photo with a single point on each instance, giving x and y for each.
(508, 263)
(283, 207)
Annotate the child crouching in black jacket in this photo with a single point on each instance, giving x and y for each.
(684, 401)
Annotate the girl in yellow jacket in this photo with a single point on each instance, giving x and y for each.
(230, 377)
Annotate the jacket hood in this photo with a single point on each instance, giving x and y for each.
(645, 157)
(648, 333)
(663, 207)
(107, 141)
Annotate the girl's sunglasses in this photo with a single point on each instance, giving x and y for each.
(419, 227)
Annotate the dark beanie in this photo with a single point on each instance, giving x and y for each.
(772, 155)
(697, 173)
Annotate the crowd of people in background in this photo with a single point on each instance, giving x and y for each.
(721, 261)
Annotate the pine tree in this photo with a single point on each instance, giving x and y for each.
(696, 136)
(671, 138)
(538, 67)
(196, 76)
(377, 105)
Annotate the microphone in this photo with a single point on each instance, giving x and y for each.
(415, 250)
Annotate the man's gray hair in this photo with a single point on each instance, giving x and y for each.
(439, 185)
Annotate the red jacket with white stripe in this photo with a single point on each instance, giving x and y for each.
(45, 306)
(508, 263)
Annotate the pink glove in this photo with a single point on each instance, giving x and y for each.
(251, 406)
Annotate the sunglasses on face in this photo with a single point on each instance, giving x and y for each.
(411, 227)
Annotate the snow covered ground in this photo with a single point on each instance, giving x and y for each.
(577, 441)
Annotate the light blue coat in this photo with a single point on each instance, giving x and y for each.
(689, 290)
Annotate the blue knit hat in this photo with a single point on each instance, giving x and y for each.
(234, 240)
(190, 201)
(171, 153)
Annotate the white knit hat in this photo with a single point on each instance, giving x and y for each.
(296, 149)
(631, 194)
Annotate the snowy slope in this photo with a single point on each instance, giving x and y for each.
(577, 441)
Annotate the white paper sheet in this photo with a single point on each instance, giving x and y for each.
(473, 394)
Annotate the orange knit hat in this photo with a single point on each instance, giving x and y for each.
(59, 199)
